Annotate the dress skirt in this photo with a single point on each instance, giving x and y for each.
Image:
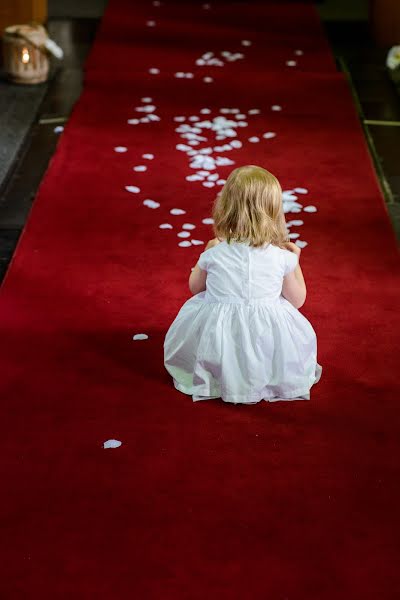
(242, 352)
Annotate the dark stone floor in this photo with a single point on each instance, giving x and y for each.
(28, 138)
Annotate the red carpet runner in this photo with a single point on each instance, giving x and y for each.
(290, 501)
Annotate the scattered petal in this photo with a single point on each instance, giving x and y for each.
(296, 222)
(148, 156)
(112, 444)
(184, 244)
(254, 111)
(301, 244)
(151, 203)
(254, 139)
(188, 226)
(246, 43)
(140, 168)
(208, 184)
(133, 121)
(194, 178)
(208, 79)
(154, 71)
(300, 190)
(291, 63)
(205, 111)
(310, 208)
(208, 221)
(183, 234)
(165, 226)
(197, 242)
(299, 52)
(276, 107)
(221, 181)
(121, 149)
(58, 129)
(140, 336)
(132, 188)
(269, 134)
(177, 211)
(145, 100)
(179, 119)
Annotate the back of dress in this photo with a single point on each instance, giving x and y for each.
(240, 339)
(238, 272)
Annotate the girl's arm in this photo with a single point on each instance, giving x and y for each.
(294, 287)
(197, 279)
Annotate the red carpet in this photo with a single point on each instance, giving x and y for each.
(290, 501)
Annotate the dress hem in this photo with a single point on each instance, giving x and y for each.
(303, 394)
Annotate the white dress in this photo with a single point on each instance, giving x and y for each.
(241, 340)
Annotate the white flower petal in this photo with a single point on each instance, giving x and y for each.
(112, 444)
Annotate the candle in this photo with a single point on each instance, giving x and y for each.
(25, 55)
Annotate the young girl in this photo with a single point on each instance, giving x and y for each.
(241, 337)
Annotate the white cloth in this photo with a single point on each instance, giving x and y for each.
(241, 340)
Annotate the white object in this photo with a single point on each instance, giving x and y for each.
(197, 242)
(276, 107)
(154, 71)
(165, 226)
(184, 244)
(208, 79)
(54, 48)
(121, 149)
(254, 139)
(241, 340)
(188, 226)
(148, 156)
(112, 444)
(208, 221)
(183, 234)
(133, 189)
(151, 203)
(310, 208)
(393, 58)
(140, 168)
(140, 336)
(291, 63)
(268, 135)
(58, 129)
(177, 211)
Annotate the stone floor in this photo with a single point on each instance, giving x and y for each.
(27, 124)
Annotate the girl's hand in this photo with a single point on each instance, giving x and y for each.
(213, 243)
(293, 248)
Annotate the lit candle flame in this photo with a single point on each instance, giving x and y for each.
(25, 55)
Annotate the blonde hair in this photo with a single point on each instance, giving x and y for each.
(249, 208)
